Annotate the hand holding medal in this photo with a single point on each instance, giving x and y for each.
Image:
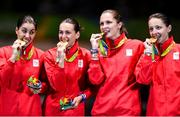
(61, 47)
(150, 46)
(17, 47)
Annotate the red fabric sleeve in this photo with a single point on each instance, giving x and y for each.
(96, 75)
(5, 69)
(52, 70)
(43, 76)
(143, 70)
(89, 88)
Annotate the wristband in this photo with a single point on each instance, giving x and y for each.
(147, 52)
(83, 97)
(94, 54)
(94, 51)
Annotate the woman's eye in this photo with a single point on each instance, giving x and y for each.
(158, 27)
(108, 22)
(101, 24)
(24, 31)
(31, 32)
(150, 29)
(67, 32)
(60, 32)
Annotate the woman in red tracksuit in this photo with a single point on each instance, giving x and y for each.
(66, 67)
(112, 68)
(18, 63)
(159, 68)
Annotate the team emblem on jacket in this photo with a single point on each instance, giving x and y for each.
(176, 56)
(129, 52)
(35, 63)
(80, 63)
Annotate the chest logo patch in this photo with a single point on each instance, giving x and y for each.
(176, 56)
(35, 63)
(129, 52)
(80, 63)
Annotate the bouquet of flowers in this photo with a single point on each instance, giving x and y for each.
(34, 83)
(66, 103)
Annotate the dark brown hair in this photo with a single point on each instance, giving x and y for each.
(26, 19)
(161, 16)
(118, 18)
(73, 21)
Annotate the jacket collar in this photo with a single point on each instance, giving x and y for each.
(114, 43)
(70, 52)
(166, 44)
(26, 51)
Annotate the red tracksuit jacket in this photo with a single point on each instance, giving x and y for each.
(118, 93)
(69, 81)
(163, 76)
(15, 96)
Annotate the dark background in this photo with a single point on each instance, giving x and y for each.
(49, 13)
(91, 8)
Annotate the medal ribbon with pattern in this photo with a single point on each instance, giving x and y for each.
(26, 58)
(73, 57)
(104, 47)
(164, 53)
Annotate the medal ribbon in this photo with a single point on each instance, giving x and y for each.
(168, 49)
(165, 52)
(104, 47)
(154, 52)
(72, 58)
(29, 55)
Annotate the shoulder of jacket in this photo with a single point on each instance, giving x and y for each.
(135, 42)
(84, 50)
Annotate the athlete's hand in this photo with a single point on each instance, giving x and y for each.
(148, 46)
(76, 101)
(94, 40)
(17, 47)
(60, 54)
